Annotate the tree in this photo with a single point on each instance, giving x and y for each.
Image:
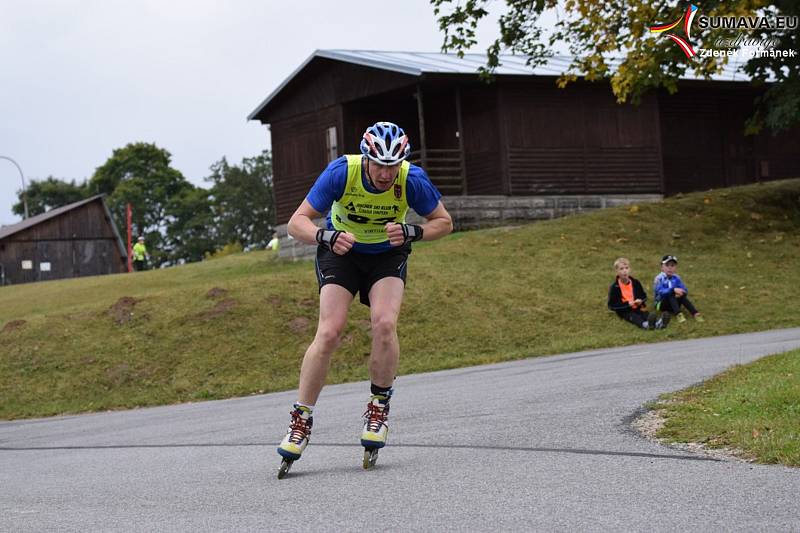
(191, 232)
(140, 174)
(242, 201)
(612, 40)
(50, 193)
(779, 107)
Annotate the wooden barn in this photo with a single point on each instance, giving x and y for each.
(78, 239)
(520, 136)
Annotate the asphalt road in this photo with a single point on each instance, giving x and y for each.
(543, 444)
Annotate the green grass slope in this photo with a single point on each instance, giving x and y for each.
(754, 409)
(477, 297)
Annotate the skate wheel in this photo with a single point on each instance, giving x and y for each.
(370, 457)
(286, 464)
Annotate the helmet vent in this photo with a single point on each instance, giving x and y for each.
(385, 143)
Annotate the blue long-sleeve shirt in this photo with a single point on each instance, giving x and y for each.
(663, 285)
(422, 195)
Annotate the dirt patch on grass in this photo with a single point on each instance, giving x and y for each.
(124, 374)
(274, 300)
(308, 303)
(652, 421)
(216, 292)
(122, 311)
(13, 326)
(649, 424)
(222, 307)
(299, 324)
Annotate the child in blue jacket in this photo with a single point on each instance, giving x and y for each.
(670, 292)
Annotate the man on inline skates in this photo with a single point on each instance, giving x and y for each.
(363, 249)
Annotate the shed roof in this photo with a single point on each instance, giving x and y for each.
(7, 231)
(420, 63)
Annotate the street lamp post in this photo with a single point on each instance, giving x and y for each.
(24, 190)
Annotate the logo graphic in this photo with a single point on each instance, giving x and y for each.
(398, 191)
(687, 17)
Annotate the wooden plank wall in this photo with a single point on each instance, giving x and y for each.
(326, 83)
(299, 156)
(692, 143)
(778, 157)
(442, 155)
(479, 115)
(440, 119)
(704, 144)
(579, 140)
(524, 136)
(77, 243)
(398, 108)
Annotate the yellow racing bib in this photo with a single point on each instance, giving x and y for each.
(365, 214)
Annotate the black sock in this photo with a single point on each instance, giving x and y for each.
(383, 391)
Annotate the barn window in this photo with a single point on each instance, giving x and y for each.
(330, 143)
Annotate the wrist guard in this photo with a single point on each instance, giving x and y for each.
(328, 237)
(411, 232)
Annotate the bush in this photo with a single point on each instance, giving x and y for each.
(228, 249)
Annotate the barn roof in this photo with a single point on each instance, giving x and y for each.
(7, 231)
(421, 63)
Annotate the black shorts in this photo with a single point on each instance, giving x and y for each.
(358, 272)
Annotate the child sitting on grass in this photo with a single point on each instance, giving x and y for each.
(671, 293)
(627, 298)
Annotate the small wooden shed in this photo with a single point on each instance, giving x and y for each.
(519, 136)
(79, 239)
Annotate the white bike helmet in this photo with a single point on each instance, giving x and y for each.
(385, 143)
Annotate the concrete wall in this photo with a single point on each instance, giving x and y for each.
(475, 212)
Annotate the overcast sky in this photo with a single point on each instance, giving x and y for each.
(79, 78)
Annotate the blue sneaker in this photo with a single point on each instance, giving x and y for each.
(296, 439)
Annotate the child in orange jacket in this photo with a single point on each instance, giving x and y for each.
(627, 298)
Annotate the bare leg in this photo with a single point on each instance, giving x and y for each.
(385, 297)
(334, 302)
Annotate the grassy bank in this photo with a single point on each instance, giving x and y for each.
(753, 408)
(165, 336)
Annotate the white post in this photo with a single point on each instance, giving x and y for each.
(24, 190)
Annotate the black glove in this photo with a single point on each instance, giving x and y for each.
(411, 232)
(328, 237)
